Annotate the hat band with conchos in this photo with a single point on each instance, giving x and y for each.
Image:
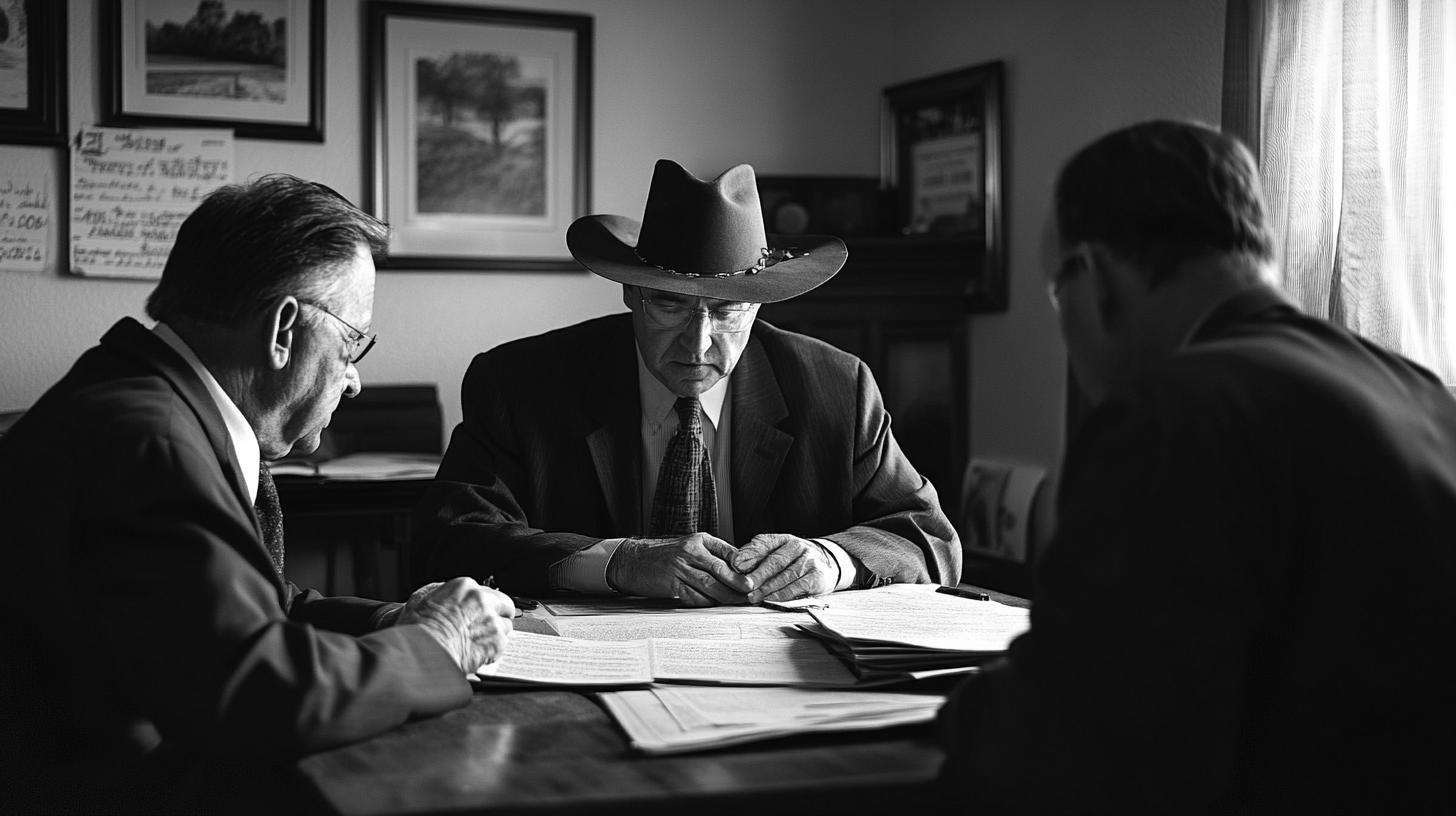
(704, 238)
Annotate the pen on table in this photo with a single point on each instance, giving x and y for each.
(962, 592)
(521, 603)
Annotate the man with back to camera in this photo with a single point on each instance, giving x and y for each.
(1247, 603)
(155, 651)
(683, 450)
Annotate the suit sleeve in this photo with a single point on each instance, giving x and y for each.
(1127, 688)
(471, 521)
(197, 633)
(900, 534)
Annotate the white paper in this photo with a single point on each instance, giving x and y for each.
(797, 662)
(132, 189)
(985, 627)
(657, 722)
(702, 626)
(544, 659)
(26, 229)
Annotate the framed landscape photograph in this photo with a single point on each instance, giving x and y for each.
(941, 151)
(479, 149)
(33, 72)
(256, 66)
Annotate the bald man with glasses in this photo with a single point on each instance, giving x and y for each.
(685, 450)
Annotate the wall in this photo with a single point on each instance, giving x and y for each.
(791, 86)
(707, 83)
(1074, 70)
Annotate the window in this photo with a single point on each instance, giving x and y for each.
(1350, 106)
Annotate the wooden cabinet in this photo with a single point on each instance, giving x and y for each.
(903, 305)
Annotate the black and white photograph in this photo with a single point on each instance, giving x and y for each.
(728, 407)
(32, 72)
(481, 133)
(254, 64)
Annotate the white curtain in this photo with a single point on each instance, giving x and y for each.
(1356, 135)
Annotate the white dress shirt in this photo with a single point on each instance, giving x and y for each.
(245, 441)
(586, 570)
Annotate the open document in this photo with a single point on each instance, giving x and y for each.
(538, 659)
(675, 719)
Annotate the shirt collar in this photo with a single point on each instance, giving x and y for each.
(658, 402)
(245, 441)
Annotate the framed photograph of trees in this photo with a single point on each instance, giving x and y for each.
(256, 66)
(479, 154)
(33, 72)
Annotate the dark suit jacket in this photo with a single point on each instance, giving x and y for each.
(141, 608)
(1248, 605)
(547, 459)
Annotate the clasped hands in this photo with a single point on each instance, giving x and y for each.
(703, 570)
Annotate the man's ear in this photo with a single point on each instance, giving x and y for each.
(279, 322)
(630, 298)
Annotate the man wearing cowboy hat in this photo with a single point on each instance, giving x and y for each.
(682, 450)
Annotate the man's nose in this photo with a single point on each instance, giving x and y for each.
(352, 383)
(697, 333)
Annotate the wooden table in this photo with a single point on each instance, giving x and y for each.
(557, 752)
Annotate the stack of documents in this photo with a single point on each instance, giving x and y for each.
(537, 659)
(362, 466)
(910, 631)
(674, 719)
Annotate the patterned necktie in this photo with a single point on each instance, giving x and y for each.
(270, 516)
(686, 500)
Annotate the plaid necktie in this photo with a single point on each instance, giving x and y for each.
(686, 500)
(270, 516)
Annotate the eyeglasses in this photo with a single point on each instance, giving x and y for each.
(725, 318)
(359, 344)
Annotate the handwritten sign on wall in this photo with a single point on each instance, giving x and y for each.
(25, 221)
(132, 189)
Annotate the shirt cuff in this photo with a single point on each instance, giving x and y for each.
(585, 570)
(848, 572)
(386, 615)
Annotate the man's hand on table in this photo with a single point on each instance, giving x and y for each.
(783, 567)
(470, 621)
(694, 569)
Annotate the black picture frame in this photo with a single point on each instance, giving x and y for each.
(942, 152)
(39, 118)
(427, 166)
(254, 100)
(843, 206)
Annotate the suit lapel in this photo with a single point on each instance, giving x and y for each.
(612, 401)
(758, 446)
(132, 338)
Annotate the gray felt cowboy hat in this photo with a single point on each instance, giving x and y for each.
(704, 238)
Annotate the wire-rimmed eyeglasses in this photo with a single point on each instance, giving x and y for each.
(359, 343)
(724, 318)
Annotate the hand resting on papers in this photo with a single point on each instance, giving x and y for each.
(783, 567)
(470, 621)
(694, 569)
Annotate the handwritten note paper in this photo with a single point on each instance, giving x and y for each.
(132, 189)
(25, 221)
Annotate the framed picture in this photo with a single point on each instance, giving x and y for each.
(844, 206)
(941, 151)
(479, 154)
(256, 66)
(33, 72)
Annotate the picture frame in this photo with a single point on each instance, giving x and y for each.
(33, 72)
(842, 206)
(256, 66)
(942, 154)
(479, 153)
